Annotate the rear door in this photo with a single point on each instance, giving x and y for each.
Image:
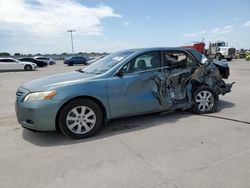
(181, 65)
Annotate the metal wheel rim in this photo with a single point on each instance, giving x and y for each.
(204, 100)
(80, 119)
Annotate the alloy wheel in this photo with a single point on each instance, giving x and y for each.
(80, 119)
(204, 100)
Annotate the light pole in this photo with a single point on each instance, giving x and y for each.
(71, 34)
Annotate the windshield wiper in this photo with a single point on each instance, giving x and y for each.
(80, 70)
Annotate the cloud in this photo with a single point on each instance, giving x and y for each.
(247, 24)
(203, 32)
(52, 18)
(212, 32)
(190, 35)
(222, 30)
(126, 23)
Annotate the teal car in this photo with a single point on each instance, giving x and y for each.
(125, 83)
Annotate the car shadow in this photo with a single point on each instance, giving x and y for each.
(224, 104)
(5, 71)
(115, 127)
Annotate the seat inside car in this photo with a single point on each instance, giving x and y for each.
(141, 65)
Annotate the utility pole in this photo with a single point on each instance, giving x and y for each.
(71, 34)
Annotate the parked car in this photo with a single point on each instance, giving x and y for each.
(149, 80)
(70, 61)
(49, 60)
(14, 64)
(39, 63)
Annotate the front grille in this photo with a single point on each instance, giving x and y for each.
(231, 51)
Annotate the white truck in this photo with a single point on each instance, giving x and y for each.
(220, 50)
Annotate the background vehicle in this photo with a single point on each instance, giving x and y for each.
(220, 50)
(200, 46)
(75, 60)
(247, 55)
(49, 60)
(150, 80)
(240, 54)
(14, 64)
(39, 63)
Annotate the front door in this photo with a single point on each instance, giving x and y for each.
(134, 92)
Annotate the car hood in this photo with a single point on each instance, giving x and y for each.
(57, 80)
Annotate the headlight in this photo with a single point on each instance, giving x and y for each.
(45, 95)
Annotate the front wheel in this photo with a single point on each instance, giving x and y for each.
(205, 100)
(80, 118)
(218, 57)
(229, 59)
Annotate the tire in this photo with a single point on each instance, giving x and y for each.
(28, 68)
(218, 57)
(205, 100)
(229, 59)
(70, 64)
(81, 118)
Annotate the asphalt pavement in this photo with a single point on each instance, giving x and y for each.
(178, 149)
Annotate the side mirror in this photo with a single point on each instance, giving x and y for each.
(120, 73)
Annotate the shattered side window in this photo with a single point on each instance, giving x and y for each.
(204, 60)
(179, 60)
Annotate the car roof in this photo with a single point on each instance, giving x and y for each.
(156, 48)
(7, 58)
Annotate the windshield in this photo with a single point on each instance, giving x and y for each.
(105, 64)
(221, 44)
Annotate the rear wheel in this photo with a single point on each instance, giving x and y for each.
(229, 59)
(205, 100)
(80, 118)
(28, 68)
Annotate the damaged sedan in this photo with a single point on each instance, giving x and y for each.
(125, 83)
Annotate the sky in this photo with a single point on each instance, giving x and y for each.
(40, 26)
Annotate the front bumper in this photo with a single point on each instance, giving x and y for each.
(37, 115)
